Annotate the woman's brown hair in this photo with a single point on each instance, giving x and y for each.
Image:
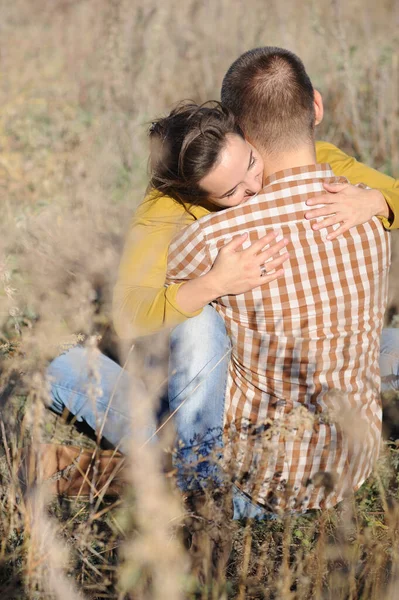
(186, 146)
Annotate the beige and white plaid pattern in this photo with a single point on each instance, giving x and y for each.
(302, 412)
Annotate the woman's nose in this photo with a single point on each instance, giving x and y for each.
(253, 186)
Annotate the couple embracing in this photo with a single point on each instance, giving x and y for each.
(268, 263)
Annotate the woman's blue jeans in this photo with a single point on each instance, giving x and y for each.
(199, 356)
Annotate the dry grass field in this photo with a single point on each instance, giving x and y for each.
(79, 82)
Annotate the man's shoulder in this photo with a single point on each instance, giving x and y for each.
(283, 188)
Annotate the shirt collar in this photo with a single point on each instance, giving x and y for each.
(297, 173)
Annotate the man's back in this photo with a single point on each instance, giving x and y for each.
(296, 340)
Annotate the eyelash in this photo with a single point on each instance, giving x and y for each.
(253, 162)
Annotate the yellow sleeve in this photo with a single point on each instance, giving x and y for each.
(141, 302)
(357, 172)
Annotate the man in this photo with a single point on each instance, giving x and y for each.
(306, 347)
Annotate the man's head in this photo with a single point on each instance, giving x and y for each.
(270, 93)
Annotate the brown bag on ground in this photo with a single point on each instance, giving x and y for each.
(72, 471)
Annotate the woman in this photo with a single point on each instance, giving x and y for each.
(183, 189)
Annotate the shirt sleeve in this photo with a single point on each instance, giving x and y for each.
(141, 302)
(188, 256)
(357, 172)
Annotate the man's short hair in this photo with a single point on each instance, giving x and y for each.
(272, 97)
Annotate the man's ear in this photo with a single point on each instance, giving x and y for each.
(318, 107)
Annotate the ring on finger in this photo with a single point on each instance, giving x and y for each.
(263, 271)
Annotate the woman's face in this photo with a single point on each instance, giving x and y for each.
(237, 176)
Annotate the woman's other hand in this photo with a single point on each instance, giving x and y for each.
(347, 205)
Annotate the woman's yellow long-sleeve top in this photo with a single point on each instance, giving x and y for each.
(142, 304)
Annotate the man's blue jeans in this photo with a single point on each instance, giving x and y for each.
(199, 356)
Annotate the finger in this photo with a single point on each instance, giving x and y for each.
(262, 242)
(269, 277)
(236, 242)
(334, 188)
(262, 257)
(325, 211)
(344, 227)
(276, 262)
(327, 222)
(323, 199)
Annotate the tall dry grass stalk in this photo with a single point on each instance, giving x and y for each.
(154, 563)
(79, 82)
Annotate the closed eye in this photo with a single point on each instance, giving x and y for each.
(252, 162)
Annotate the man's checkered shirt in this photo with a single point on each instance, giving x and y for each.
(302, 412)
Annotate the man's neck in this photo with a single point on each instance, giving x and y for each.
(300, 157)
